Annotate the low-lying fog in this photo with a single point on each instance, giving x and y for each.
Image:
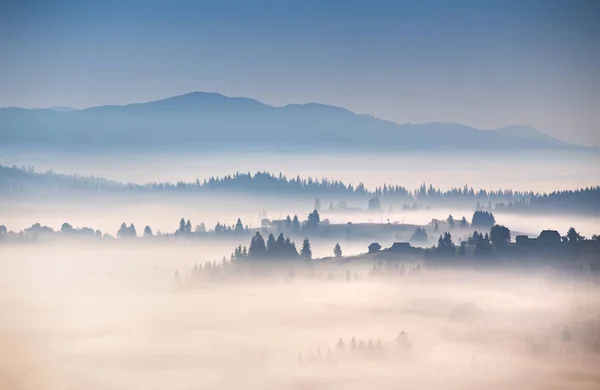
(543, 171)
(164, 214)
(106, 317)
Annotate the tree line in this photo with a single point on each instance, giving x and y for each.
(16, 180)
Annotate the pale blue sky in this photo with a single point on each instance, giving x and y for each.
(482, 63)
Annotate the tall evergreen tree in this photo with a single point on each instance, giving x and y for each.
(181, 229)
(271, 244)
(147, 231)
(337, 251)
(188, 227)
(306, 251)
(295, 223)
(239, 227)
(313, 220)
(258, 248)
(122, 232)
(450, 221)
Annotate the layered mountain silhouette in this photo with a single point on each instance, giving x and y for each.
(201, 119)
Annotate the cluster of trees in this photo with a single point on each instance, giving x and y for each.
(483, 219)
(419, 236)
(13, 179)
(288, 224)
(273, 248)
(126, 231)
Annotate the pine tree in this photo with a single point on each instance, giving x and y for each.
(122, 232)
(181, 229)
(337, 251)
(463, 223)
(147, 231)
(188, 227)
(295, 223)
(288, 223)
(306, 251)
(239, 227)
(131, 231)
(317, 204)
(450, 221)
(271, 244)
(258, 248)
(313, 220)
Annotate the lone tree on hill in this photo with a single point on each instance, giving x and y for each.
(306, 251)
(337, 251)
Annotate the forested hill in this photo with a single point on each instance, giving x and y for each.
(14, 180)
(206, 120)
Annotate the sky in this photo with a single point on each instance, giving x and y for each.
(481, 63)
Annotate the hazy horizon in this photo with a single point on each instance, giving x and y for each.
(454, 244)
(486, 65)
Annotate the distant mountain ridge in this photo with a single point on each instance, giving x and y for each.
(201, 119)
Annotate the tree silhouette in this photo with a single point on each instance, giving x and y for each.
(306, 251)
(147, 231)
(337, 251)
(181, 229)
(317, 204)
(445, 245)
(239, 227)
(131, 231)
(122, 232)
(201, 228)
(574, 236)
(374, 204)
(499, 236)
(66, 227)
(419, 235)
(483, 246)
(188, 227)
(3, 230)
(257, 248)
(450, 221)
(483, 219)
(463, 223)
(313, 220)
(295, 223)
(288, 223)
(271, 244)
